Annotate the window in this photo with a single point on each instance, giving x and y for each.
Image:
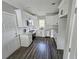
(42, 23)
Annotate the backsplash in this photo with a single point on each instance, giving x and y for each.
(20, 30)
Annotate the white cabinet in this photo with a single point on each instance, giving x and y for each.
(63, 8)
(22, 18)
(26, 40)
(61, 33)
(19, 18)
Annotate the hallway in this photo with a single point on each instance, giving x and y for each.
(41, 48)
(39, 29)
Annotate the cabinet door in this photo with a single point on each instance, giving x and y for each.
(30, 38)
(19, 18)
(24, 19)
(25, 40)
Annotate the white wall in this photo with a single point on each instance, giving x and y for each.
(73, 44)
(7, 7)
(70, 26)
(61, 33)
(52, 20)
(9, 40)
(63, 6)
(35, 22)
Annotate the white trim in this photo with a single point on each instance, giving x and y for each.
(8, 13)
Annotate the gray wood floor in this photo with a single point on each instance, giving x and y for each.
(41, 48)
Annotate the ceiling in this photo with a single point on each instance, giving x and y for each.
(37, 7)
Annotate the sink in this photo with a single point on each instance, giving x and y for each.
(32, 31)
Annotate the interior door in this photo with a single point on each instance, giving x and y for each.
(9, 40)
(73, 42)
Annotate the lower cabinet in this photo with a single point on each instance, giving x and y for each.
(25, 40)
(59, 54)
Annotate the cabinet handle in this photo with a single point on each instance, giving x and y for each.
(61, 12)
(69, 49)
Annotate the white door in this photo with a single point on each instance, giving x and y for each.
(70, 46)
(9, 40)
(73, 42)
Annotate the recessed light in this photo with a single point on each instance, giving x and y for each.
(53, 3)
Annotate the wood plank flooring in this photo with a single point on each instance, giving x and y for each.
(41, 48)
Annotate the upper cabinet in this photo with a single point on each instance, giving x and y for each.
(63, 8)
(19, 17)
(24, 19)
